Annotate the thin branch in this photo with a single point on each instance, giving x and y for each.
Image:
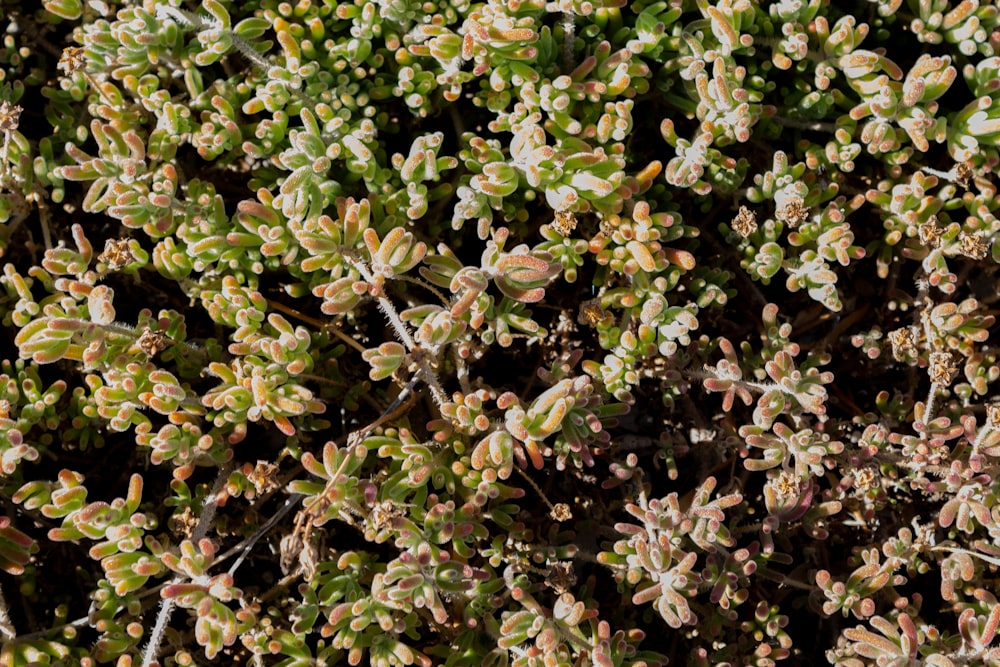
(167, 605)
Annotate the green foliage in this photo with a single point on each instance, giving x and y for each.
(432, 290)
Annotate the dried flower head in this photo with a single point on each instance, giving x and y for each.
(866, 479)
(973, 246)
(564, 223)
(117, 254)
(963, 174)
(72, 60)
(930, 233)
(152, 342)
(10, 116)
(904, 343)
(561, 576)
(785, 486)
(943, 368)
(183, 523)
(298, 555)
(590, 313)
(993, 414)
(264, 477)
(745, 222)
(383, 514)
(793, 211)
(561, 512)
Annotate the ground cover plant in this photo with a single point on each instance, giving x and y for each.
(515, 332)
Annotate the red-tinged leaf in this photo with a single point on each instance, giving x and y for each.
(642, 256)
(372, 242)
(67, 324)
(13, 535)
(64, 534)
(147, 567)
(511, 263)
(533, 295)
(554, 418)
(251, 213)
(284, 425)
(535, 454)
(181, 589)
(681, 258)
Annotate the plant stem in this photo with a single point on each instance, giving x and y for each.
(167, 605)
